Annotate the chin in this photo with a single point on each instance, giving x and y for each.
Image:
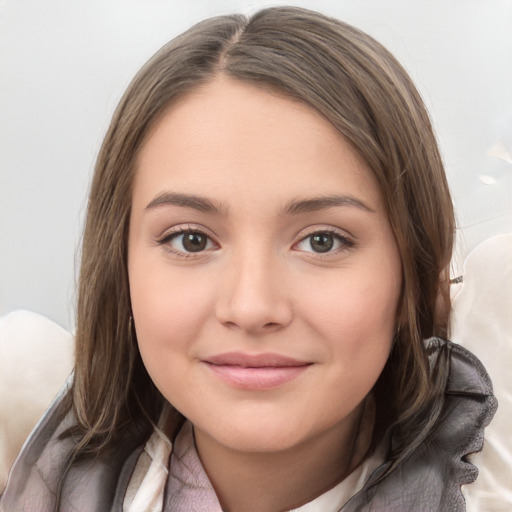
(256, 441)
(258, 434)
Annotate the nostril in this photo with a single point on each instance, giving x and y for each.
(231, 325)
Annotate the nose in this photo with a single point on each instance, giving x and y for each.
(253, 298)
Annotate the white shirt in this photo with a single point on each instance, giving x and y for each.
(189, 486)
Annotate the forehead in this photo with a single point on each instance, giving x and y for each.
(237, 141)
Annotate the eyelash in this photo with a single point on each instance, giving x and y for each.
(175, 233)
(345, 242)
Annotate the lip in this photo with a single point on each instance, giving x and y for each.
(256, 372)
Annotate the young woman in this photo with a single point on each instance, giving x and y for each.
(264, 271)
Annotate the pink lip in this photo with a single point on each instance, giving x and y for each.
(255, 372)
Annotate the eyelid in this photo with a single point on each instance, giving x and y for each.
(323, 228)
(173, 232)
(343, 237)
(346, 239)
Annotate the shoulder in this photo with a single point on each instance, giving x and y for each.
(89, 485)
(431, 478)
(469, 407)
(34, 475)
(467, 374)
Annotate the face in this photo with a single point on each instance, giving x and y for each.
(264, 275)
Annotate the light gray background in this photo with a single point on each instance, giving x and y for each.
(64, 65)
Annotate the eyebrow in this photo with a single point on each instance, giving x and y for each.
(199, 203)
(323, 203)
(296, 207)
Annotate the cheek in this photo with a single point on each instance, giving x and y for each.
(169, 311)
(359, 343)
(355, 315)
(357, 308)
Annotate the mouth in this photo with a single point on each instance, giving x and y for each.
(255, 372)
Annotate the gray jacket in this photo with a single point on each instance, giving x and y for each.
(429, 480)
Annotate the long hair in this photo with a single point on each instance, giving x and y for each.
(356, 84)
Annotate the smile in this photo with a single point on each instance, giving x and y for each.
(255, 372)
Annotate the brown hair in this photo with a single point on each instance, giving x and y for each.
(365, 93)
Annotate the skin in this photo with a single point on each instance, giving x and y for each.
(260, 286)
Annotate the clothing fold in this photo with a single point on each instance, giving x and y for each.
(429, 480)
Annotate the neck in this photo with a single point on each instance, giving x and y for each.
(257, 482)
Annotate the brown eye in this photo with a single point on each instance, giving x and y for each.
(194, 242)
(321, 242)
(186, 242)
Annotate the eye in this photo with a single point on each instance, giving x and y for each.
(324, 242)
(188, 241)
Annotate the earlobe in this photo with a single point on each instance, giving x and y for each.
(132, 334)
